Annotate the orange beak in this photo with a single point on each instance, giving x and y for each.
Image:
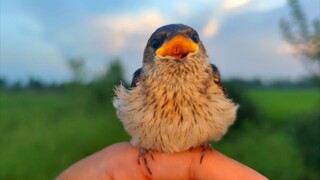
(179, 47)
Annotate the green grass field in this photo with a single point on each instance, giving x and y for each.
(280, 105)
(43, 133)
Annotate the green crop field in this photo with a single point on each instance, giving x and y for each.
(280, 105)
(43, 133)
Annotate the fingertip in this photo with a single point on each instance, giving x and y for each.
(218, 166)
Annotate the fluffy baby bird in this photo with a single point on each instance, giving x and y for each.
(176, 100)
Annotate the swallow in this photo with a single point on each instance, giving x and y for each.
(176, 100)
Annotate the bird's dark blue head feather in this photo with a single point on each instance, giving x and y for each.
(170, 30)
(174, 28)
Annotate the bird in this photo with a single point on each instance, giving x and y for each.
(176, 100)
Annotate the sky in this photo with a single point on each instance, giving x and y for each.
(242, 37)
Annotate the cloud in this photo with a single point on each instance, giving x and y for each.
(28, 55)
(115, 30)
(232, 4)
(210, 29)
(245, 48)
(183, 9)
(253, 5)
(285, 48)
(24, 50)
(262, 5)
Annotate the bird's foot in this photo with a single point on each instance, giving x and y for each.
(142, 154)
(205, 147)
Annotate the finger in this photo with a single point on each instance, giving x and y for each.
(219, 166)
(170, 166)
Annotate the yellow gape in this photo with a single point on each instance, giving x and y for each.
(179, 47)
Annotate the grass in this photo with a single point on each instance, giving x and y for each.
(280, 105)
(44, 133)
(272, 153)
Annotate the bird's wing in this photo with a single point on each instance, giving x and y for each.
(217, 77)
(136, 77)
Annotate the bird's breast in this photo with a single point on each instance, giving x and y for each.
(174, 116)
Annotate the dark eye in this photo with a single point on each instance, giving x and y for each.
(195, 38)
(155, 44)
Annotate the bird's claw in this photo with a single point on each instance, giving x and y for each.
(142, 154)
(203, 152)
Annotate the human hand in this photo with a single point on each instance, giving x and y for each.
(118, 161)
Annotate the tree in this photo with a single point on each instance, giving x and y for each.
(3, 83)
(103, 85)
(247, 111)
(35, 84)
(17, 86)
(77, 67)
(305, 42)
(115, 72)
(306, 132)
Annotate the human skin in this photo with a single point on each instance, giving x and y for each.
(119, 161)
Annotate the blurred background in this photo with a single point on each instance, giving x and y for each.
(61, 59)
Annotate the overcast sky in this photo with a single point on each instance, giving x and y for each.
(242, 37)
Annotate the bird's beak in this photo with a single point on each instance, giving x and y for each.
(179, 47)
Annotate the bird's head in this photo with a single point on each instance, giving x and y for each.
(175, 43)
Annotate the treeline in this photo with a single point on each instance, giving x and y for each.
(114, 74)
(307, 82)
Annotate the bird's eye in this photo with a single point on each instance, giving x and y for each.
(155, 44)
(195, 38)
